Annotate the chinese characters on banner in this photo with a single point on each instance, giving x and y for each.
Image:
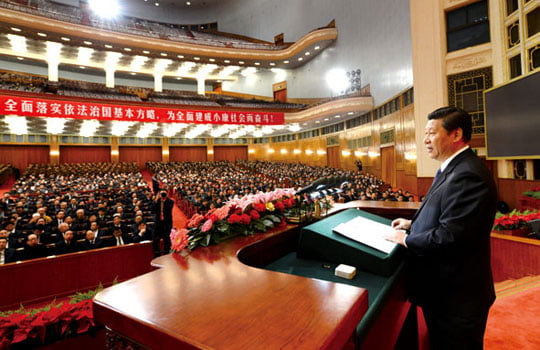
(38, 107)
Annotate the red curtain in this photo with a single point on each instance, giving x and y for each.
(84, 154)
(140, 155)
(21, 156)
(187, 154)
(230, 153)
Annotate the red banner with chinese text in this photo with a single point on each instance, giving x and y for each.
(41, 107)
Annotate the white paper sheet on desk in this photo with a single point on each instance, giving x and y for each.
(368, 232)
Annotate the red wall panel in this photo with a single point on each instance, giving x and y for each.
(83, 154)
(140, 155)
(187, 154)
(230, 153)
(21, 156)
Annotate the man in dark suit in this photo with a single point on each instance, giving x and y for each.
(91, 241)
(32, 249)
(7, 255)
(142, 233)
(448, 263)
(162, 209)
(67, 244)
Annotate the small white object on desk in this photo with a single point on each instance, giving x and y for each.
(345, 271)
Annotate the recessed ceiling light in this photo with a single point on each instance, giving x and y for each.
(188, 3)
(82, 67)
(163, 54)
(350, 113)
(317, 121)
(257, 63)
(65, 38)
(300, 58)
(127, 49)
(146, 52)
(240, 62)
(196, 58)
(16, 29)
(307, 53)
(272, 64)
(108, 46)
(87, 42)
(227, 61)
(317, 47)
(178, 78)
(337, 116)
(133, 73)
(41, 34)
(157, 4)
(325, 119)
(304, 124)
(286, 61)
(212, 60)
(20, 58)
(180, 56)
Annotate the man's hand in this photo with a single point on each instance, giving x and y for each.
(397, 236)
(401, 224)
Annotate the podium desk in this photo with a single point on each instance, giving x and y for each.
(239, 295)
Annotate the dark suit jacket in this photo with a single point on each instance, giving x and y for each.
(9, 255)
(88, 245)
(167, 211)
(448, 265)
(63, 248)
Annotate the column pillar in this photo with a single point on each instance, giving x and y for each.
(54, 150)
(158, 82)
(115, 150)
(200, 86)
(109, 77)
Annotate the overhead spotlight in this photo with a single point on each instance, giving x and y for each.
(43, 35)
(104, 8)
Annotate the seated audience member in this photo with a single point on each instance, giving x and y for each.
(58, 219)
(42, 236)
(80, 222)
(14, 238)
(7, 255)
(32, 249)
(142, 233)
(135, 226)
(91, 242)
(101, 218)
(117, 224)
(120, 238)
(67, 244)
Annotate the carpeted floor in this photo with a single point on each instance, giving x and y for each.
(514, 319)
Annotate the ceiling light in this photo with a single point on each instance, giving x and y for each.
(108, 46)
(350, 113)
(127, 49)
(196, 58)
(337, 80)
(317, 121)
(16, 125)
(297, 151)
(272, 63)
(16, 29)
(55, 126)
(146, 129)
(257, 63)
(20, 58)
(307, 53)
(64, 38)
(104, 8)
(87, 42)
(82, 67)
(146, 52)
(212, 60)
(157, 4)
(188, 3)
(18, 43)
(286, 61)
(325, 119)
(227, 61)
(163, 54)
(180, 56)
(337, 116)
(119, 128)
(88, 128)
(84, 55)
(317, 47)
(240, 62)
(300, 58)
(308, 152)
(178, 78)
(132, 73)
(43, 35)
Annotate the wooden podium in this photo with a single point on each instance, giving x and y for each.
(213, 299)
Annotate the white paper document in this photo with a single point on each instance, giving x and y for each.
(368, 232)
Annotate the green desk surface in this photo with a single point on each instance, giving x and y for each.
(318, 241)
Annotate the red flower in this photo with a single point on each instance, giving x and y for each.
(260, 207)
(254, 214)
(213, 217)
(233, 219)
(279, 206)
(195, 221)
(245, 219)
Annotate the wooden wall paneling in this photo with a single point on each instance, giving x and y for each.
(140, 154)
(510, 190)
(230, 153)
(20, 155)
(83, 154)
(188, 154)
(333, 157)
(388, 165)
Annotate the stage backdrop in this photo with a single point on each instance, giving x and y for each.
(187, 154)
(83, 154)
(140, 155)
(21, 156)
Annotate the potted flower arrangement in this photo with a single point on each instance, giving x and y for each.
(239, 216)
(530, 199)
(515, 223)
